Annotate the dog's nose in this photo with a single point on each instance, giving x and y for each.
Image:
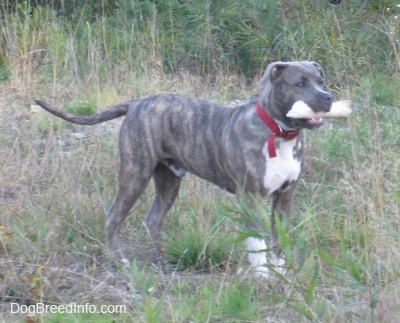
(328, 97)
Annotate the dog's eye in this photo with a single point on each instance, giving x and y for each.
(301, 84)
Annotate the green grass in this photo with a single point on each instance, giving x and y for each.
(342, 241)
(82, 108)
(198, 250)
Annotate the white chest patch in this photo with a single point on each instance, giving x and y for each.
(284, 167)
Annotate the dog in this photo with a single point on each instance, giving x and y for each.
(253, 150)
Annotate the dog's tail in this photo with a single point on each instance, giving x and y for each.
(116, 111)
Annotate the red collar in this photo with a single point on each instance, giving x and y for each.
(277, 131)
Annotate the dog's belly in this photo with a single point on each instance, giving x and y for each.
(284, 168)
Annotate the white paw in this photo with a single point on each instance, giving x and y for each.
(125, 262)
(278, 263)
(263, 271)
(274, 265)
(265, 264)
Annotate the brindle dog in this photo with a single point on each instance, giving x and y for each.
(253, 150)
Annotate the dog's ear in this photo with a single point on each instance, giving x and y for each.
(320, 70)
(273, 71)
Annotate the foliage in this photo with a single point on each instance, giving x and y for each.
(192, 252)
(201, 249)
(341, 244)
(82, 108)
(200, 36)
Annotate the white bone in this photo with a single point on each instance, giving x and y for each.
(339, 109)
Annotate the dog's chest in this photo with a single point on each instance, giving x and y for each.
(285, 167)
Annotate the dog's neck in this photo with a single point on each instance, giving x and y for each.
(276, 128)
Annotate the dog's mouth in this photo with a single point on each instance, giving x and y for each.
(306, 123)
(313, 123)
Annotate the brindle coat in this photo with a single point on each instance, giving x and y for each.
(165, 135)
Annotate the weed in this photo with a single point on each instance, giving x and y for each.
(384, 89)
(82, 108)
(47, 125)
(5, 73)
(341, 244)
(147, 284)
(193, 251)
(236, 301)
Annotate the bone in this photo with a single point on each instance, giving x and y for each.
(339, 109)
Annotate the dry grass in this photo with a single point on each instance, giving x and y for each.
(57, 181)
(55, 189)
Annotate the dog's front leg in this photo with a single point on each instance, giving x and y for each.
(281, 207)
(259, 251)
(262, 255)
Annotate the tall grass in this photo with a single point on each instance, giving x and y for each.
(202, 37)
(57, 180)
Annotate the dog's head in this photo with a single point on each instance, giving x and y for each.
(284, 83)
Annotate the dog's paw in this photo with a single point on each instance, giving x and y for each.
(264, 264)
(125, 262)
(269, 271)
(277, 264)
(263, 272)
(118, 263)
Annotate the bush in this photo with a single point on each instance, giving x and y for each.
(203, 37)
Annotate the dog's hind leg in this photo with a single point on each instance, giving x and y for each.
(167, 187)
(132, 182)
